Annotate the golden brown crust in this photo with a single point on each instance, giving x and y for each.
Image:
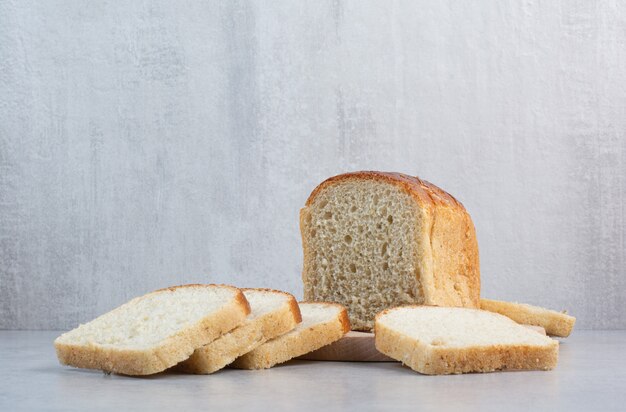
(174, 349)
(345, 320)
(431, 360)
(449, 272)
(555, 323)
(422, 190)
(243, 302)
(295, 310)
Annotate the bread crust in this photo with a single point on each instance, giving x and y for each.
(432, 360)
(241, 340)
(293, 303)
(287, 347)
(426, 192)
(449, 272)
(555, 323)
(173, 350)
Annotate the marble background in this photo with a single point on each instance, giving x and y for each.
(151, 143)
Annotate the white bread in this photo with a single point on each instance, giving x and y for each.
(538, 329)
(154, 332)
(273, 314)
(322, 324)
(375, 240)
(436, 340)
(555, 323)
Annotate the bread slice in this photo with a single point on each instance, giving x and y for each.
(154, 332)
(555, 323)
(374, 240)
(273, 314)
(437, 341)
(322, 324)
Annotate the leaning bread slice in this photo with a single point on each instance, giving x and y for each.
(322, 324)
(555, 323)
(154, 332)
(436, 341)
(273, 314)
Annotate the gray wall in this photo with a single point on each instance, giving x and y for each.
(144, 144)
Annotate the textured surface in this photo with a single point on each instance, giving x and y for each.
(591, 376)
(441, 341)
(144, 144)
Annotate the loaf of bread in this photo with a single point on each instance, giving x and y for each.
(434, 341)
(374, 240)
(154, 332)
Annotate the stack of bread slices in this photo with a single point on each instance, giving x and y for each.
(202, 329)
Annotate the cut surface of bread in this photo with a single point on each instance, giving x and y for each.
(538, 329)
(374, 240)
(154, 332)
(322, 324)
(555, 323)
(273, 314)
(435, 341)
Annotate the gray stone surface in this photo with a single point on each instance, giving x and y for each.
(590, 376)
(144, 144)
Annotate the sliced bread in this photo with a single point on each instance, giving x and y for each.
(273, 314)
(437, 341)
(322, 324)
(555, 323)
(154, 332)
(374, 240)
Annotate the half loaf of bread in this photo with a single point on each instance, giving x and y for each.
(374, 240)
